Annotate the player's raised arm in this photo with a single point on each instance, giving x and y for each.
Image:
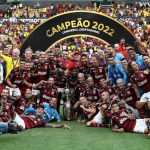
(120, 130)
(57, 126)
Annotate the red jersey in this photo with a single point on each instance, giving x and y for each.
(108, 88)
(27, 78)
(142, 80)
(128, 95)
(80, 88)
(64, 63)
(107, 110)
(122, 121)
(71, 64)
(23, 104)
(98, 73)
(47, 92)
(60, 80)
(84, 68)
(52, 66)
(123, 50)
(43, 70)
(7, 112)
(16, 76)
(91, 94)
(90, 105)
(32, 122)
(72, 80)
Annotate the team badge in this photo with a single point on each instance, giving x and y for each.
(128, 92)
(95, 97)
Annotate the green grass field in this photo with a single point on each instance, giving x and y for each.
(79, 137)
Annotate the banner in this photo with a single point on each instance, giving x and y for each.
(77, 23)
(16, 20)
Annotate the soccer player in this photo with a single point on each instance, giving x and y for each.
(145, 102)
(127, 93)
(72, 79)
(91, 91)
(6, 109)
(28, 55)
(139, 78)
(15, 79)
(115, 71)
(124, 62)
(27, 80)
(84, 65)
(32, 120)
(96, 71)
(80, 87)
(41, 68)
(117, 56)
(52, 63)
(146, 60)
(103, 110)
(104, 85)
(47, 89)
(25, 102)
(86, 108)
(126, 122)
(135, 57)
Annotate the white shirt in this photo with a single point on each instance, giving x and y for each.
(1, 73)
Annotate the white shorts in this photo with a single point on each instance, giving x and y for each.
(98, 118)
(60, 90)
(14, 91)
(140, 126)
(35, 92)
(145, 97)
(19, 121)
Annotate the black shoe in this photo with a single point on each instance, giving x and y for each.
(148, 124)
(13, 128)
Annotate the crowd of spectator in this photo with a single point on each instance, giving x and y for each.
(12, 31)
(115, 10)
(108, 85)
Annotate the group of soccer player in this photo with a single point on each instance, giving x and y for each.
(106, 89)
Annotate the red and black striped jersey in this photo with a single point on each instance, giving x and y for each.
(122, 120)
(142, 80)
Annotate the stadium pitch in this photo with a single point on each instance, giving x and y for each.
(79, 137)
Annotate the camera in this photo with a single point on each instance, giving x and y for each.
(13, 128)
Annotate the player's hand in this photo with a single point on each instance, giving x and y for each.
(121, 130)
(81, 106)
(66, 72)
(132, 117)
(138, 105)
(32, 116)
(42, 82)
(104, 106)
(66, 126)
(146, 72)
